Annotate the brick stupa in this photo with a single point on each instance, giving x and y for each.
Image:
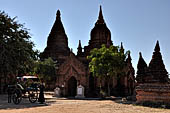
(57, 43)
(152, 81)
(141, 72)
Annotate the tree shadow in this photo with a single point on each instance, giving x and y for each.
(25, 103)
(149, 104)
(161, 105)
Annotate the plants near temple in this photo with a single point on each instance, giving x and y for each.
(46, 69)
(107, 62)
(16, 48)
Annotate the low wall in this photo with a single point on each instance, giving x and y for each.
(153, 92)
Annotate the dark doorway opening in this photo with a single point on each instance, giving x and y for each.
(0, 85)
(91, 83)
(92, 92)
(119, 88)
(72, 87)
(130, 89)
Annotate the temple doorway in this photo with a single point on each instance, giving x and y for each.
(119, 88)
(72, 87)
(91, 91)
(130, 87)
(91, 83)
(0, 86)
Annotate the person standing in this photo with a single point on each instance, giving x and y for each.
(9, 90)
(41, 98)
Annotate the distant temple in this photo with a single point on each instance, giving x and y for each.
(73, 69)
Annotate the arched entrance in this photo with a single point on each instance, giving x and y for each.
(72, 86)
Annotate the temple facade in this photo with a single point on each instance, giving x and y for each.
(73, 69)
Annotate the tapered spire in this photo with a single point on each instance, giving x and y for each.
(157, 48)
(121, 48)
(57, 43)
(58, 14)
(58, 26)
(100, 35)
(79, 52)
(79, 44)
(129, 58)
(157, 67)
(141, 64)
(141, 69)
(100, 17)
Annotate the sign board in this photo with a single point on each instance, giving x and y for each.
(80, 92)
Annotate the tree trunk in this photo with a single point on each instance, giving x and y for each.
(100, 88)
(108, 86)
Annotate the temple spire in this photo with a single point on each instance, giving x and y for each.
(121, 45)
(140, 55)
(128, 60)
(79, 44)
(157, 67)
(99, 35)
(141, 64)
(157, 47)
(58, 14)
(129, 57)
(79, 52)
(100, 14)
(58, 26)
(141, 69)
(57, 42)
(100, 17)
(121, 48)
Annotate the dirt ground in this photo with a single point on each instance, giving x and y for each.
(62, 105)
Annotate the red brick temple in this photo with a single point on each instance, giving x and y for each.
(73, 69)
(153, 84)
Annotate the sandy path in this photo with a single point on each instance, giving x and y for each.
(54, 105)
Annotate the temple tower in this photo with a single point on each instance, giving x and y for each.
(141, 69)
(57, 43)
(157, 71)
(100, 34)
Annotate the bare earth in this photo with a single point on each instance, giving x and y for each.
(61, 105)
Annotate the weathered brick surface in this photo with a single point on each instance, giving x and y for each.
(152, 81)
(153, 93)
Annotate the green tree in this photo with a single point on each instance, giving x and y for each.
(16, 48)
(46, 69)
(107, 62)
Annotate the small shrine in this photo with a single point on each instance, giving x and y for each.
(153, 84)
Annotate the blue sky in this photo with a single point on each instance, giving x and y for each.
(136, 23)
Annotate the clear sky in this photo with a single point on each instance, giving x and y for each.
(136, 23)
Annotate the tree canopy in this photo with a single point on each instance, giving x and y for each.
(16, 48)
(46, 69)
(107, 62)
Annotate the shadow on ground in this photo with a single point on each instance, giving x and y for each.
(144, 104)
(25, 103)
